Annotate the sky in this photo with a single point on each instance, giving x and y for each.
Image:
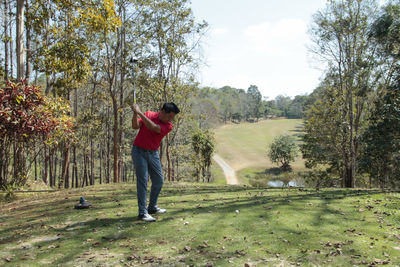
(258, 42)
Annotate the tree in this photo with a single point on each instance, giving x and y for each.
(205, 110)
(80, 51)
(6, 38)
(380, 157)
(20, 39)
(381, 146)
(296, 107)
(322, 139)
(283, 150)
(283, 104)
(64, 34)
(25, 116)
(203, 144)
(172, 35)
(254, 100)
(341, 39)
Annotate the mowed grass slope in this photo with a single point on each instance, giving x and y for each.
(206, 225)
(245, 145)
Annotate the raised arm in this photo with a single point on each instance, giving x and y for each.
(135, 122)
(147, 122)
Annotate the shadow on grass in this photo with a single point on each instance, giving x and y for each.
(265, 201)
(298, 131)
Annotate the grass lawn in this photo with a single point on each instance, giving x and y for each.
(334, 227)
(245, 145)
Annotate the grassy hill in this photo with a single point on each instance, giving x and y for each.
(244, 146)
(206, 225)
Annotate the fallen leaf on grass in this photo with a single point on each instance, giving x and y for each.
(95, 244)
(133, 257)
(335, 253)
(204, 245)
(355, 256)
(227, 238)
(7, 259)
(240, 252)
(379, 261)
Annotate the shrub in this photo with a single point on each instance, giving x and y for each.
(283, 150)
(26, 116)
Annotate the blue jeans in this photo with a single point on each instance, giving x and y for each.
(147, 162)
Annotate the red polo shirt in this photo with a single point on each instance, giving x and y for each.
(147, 139)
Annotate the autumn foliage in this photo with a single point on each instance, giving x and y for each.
(25, 116)
(21, 112)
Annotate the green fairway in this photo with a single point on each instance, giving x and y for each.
(205, 225)
(245, 145)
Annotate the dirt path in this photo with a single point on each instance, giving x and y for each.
(228, 171)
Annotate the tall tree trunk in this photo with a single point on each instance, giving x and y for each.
(108, 155)
(121, 132)
(2, 161)
(28, 45)
(100, 165)
(67, 146)
(75, 168)
(173, 161)
(92, 175)
(64, 181)
(6, 39)
(353, 140)
(46, 164)
(168, 159)
(11, 74)
(35, 162)
(85, 171)
(55, 167)
(51, 174)
(115, 141)
(121, 95)
(20, 40)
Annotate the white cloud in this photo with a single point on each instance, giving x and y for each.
(271, 55)
(279, 36)
(219, 31)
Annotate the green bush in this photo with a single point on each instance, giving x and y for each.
(283, 150)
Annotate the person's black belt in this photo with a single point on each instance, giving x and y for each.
(147, 150)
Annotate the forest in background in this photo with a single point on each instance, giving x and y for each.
(65, 118)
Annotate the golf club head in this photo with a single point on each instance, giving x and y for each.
(83, 204)
(133, 60)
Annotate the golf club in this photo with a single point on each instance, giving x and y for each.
(133, 61)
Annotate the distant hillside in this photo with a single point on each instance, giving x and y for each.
(245, 145)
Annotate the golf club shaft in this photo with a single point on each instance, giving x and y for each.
(133, 61)
(134, 91)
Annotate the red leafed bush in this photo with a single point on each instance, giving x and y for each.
(22, 112)
(26, 117)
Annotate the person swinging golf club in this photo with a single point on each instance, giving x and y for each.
(153, 127)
